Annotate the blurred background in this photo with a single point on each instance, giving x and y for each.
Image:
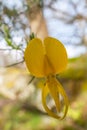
(20, 93)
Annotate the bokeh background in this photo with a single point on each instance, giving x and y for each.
(20, 93)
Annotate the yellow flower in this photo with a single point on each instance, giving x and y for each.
(46, 59)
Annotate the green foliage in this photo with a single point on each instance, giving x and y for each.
(32, 35)
(20, 119)
(10, 12)
(8, 39)
(77, 68)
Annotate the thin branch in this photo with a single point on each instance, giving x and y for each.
(14, 64)
(4, 49)
(32, 108)
(31, 80)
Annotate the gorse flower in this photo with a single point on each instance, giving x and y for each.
(46, 59)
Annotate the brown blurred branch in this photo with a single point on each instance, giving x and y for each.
(66, 16)
(32, 108)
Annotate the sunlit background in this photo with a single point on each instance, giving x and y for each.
(20, 94)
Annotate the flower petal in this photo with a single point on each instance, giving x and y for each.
(56, 53)
(45, 92)
(34, 57)
(54, 91)
(66, 101)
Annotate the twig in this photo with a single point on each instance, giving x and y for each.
(4, 49)
(14, 64)
(31, 80)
